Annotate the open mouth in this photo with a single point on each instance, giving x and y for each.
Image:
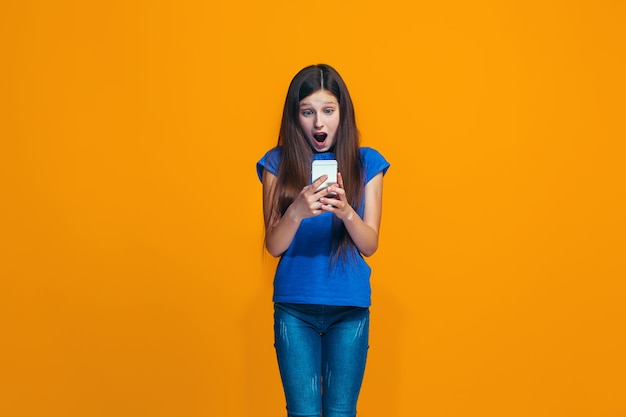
(320, 137)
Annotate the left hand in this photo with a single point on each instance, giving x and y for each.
(338, 203)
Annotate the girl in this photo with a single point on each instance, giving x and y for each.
(321, 287)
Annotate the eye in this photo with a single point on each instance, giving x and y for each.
(307, 112)
(329, 111)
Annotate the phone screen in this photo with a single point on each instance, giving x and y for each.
(324, 167)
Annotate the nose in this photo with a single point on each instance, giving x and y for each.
(319, 123)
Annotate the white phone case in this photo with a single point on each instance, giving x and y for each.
(324, 167)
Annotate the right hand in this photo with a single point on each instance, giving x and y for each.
(307, 203)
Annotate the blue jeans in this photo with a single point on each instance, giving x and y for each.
(321, 353)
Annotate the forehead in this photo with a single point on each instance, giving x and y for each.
(320, 97)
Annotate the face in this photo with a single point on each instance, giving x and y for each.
(319, 120)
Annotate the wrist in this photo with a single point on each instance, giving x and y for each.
(350, 216)
(292, 216)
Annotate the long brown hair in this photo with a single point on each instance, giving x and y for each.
(295, 166)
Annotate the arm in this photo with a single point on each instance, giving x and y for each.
(364, 232)
(280, 230)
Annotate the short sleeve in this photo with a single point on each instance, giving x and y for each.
(373, 162)
(270, 161)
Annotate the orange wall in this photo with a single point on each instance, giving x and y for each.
(133, 279)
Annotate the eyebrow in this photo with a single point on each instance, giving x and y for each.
(306, 103)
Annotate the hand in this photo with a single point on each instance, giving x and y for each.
(307, 203)
(337, 204)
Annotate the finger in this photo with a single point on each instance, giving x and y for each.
(335, 191)
(322, 193)
(340, 179)
(329, 202)
(316, 184)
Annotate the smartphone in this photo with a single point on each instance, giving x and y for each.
(324, 167)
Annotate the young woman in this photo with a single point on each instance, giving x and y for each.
(322, 283)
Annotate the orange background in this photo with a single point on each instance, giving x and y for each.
(133, 278)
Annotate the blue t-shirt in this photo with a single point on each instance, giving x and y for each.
(304, 274)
